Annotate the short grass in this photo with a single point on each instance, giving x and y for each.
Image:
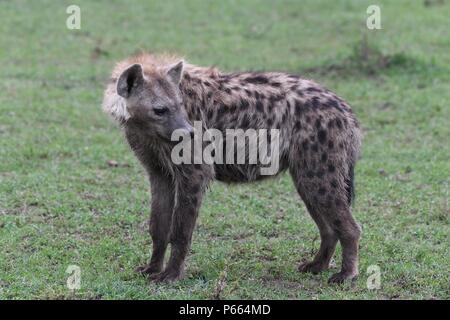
(61, 203)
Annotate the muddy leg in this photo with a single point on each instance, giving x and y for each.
(328, 241)
(328, 236)
(189, 196)
(348, 232)
(160, 222)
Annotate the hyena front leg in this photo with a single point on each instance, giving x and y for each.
(163, 192)
(189, 194)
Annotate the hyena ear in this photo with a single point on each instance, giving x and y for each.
(130, 80)
(175, 71)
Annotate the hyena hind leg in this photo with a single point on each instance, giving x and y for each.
(348, 232)
(328, 237)
(327, 201)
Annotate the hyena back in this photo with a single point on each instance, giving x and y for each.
(152, 95)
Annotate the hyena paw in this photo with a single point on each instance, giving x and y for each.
(313, 267)
(148, 269)
(166, 276)
(341, 277)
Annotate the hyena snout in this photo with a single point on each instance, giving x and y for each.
(180, 126)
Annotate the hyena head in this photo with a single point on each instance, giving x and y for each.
(154, 100)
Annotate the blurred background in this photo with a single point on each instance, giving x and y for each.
(71, 192)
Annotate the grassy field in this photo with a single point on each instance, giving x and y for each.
(62, 203)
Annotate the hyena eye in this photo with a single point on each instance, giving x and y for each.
(160, 111)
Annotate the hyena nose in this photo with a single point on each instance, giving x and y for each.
(188, 130)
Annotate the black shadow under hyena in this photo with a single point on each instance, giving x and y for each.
(319, 141)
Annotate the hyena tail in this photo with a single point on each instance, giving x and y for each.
(350, 184)
(353, 157)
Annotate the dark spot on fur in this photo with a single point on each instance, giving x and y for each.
(210, 113)
(334, 183)
(297, 125)
(269, 122)
(190, 93)
(228, 90)
(315, 102)
(330, 124)
(324, 157)
(322, 136)
(305, 145)
(322, 191)
(244, 104)
(258, 79)
(308, 105)
(339, 123)
(288, 105)
(276, 98)
(221, 111)
(318, 124)
(310, 174)
(275, 84)
(330, 144)
(320, 173)
(315, 147)
(337, 222)
(313, 89)
(334, 104)
(245, 122)
(259, 106)
(298, 108)
(331, 168)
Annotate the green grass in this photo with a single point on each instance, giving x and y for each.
(61, 204)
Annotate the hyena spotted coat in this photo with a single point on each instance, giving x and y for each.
(152, 95)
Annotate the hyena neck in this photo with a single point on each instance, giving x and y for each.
(153, 152)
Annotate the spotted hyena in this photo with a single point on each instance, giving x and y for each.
(319, 140)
